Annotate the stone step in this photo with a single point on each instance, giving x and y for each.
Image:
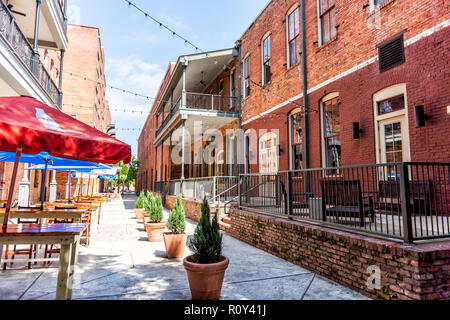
(226, 219)
(224, 226)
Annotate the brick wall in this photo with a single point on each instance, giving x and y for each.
(192, 209)
(419, 272)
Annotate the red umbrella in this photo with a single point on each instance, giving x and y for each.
(30, 126)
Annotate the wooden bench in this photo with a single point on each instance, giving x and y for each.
(65, 235)
(389, 195)
(344, 199)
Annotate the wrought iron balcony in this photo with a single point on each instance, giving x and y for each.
(202, 102)
(22, 48)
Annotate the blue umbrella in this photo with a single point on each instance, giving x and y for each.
(108, 177)
(71, 166)
(44, 159)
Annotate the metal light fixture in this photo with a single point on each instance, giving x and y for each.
(356, 131)
(421, 117)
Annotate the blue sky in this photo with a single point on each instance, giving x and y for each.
(138, 51)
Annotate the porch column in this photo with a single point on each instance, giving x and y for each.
(61, 69)
(183, 154)
(170, 157)
(53, 186)
(184, 92)
(24, 189)
(36, 37)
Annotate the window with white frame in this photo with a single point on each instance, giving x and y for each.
(246, 68)
(327, 20)
(293, 37)
(331, 131)
(268, 153)
(266, 60)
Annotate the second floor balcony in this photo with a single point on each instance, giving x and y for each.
(24, 73)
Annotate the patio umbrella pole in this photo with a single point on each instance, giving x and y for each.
(70, 186)
(43, 185)
(11, 190)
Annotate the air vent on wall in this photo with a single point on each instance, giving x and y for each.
(391, 53)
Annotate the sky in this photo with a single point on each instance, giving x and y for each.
(138, 51)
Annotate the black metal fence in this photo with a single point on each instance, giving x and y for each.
(408, 201)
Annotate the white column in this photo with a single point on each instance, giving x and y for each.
(183, 155)
(53, 187)
(24, 189)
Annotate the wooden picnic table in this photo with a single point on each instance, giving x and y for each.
(65, 235)
(74, 214)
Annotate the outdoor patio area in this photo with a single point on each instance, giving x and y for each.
(121, 264)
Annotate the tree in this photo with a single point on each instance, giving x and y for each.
(133, 169)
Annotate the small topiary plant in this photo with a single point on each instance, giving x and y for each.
(140, 201)
(177, 218)
(155, 209)
(207, 241)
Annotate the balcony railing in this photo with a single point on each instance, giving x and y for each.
(200, 101)
(406, 201)
(24, 50)
(211, 102)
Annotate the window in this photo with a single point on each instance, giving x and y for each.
(327, 23)
(331, 132)
(296, 139)
(266, 60)
(293, 31)
(246, 77)
(221, 87)
(268, 153)
(378, 2)
(391, 105)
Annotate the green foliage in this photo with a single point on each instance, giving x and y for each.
(207, 241)
(177, 218)
(140, 201)
(153, 206)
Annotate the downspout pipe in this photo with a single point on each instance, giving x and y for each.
(305, 88)
(305, 99)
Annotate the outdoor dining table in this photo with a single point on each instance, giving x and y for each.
(65, 235)
(74, 214)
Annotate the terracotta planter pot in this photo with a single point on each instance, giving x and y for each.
(155, 231)
(205, 280)
(139, 213)
(175, 244)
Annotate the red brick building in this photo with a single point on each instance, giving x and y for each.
(376, 77)
(346, 84)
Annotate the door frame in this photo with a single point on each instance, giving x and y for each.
(384, 94)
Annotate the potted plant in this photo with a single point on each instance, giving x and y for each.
(139, 207)
(206, 267)
(175, 240)
(154, 226)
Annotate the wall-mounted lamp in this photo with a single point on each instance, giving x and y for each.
(356, 131)
(280, 150)
(421, 117)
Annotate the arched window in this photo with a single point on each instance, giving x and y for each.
(268, 153)
(331, 131)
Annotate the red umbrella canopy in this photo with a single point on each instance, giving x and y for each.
(35, 127)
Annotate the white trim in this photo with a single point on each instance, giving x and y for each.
(291, 11)
(386, 93)
(408, 42)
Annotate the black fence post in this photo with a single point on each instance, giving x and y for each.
(240, 191)
(289, 202)
(405, 203)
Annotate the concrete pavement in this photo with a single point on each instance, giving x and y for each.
(121, 264)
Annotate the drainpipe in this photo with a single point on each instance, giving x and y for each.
(239, 47)
(305, 98)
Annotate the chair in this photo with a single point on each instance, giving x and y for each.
(420, 195)
(32, 250)
(87, 220)
(343, 198)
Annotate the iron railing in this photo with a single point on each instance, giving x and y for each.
(172, 112)
(407, 201)
(160, 187)
(211, 102)
(225, 189)
(11, 32)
